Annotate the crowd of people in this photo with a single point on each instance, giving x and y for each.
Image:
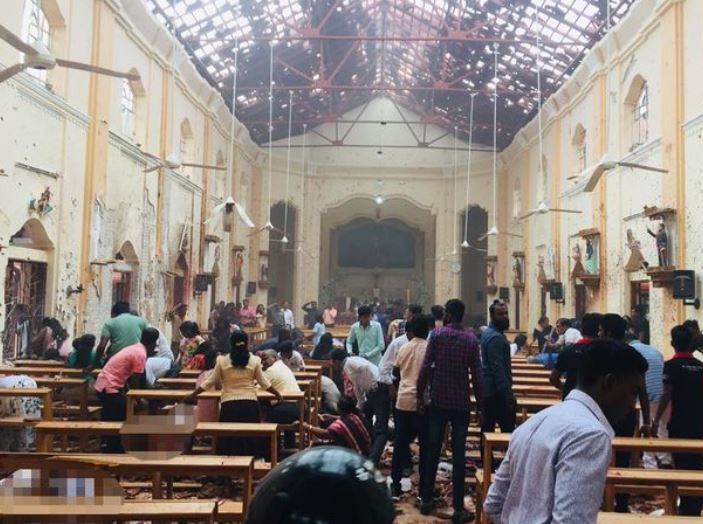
(410, 378)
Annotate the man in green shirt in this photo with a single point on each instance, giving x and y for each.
(368, 336)
(122, 330)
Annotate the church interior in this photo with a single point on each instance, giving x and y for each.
(184, 155)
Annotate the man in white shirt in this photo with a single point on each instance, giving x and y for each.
(290, 357)
(288, 319)
(568, 335)
(283, 379)
(361, 382)
(555, 468)
(159, 365)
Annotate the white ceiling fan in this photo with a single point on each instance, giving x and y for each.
(542, 209)
(173, 160)
(594, 173)
(493, 231)
(36, 56)
(228, 207)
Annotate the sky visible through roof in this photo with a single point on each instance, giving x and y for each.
(428, 56)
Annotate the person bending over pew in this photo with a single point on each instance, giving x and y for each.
(556, 464)
(237, 373)
(290, 357)
(283, 379)
(127, 365)
(349, 430)
(683, 387)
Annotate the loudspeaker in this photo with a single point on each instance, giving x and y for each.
(251, 288)
(556, 291)
(684, 283)
(504, 294)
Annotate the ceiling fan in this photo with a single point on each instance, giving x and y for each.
(594, 173)
(36, 56)
(227, 207)
(542, 209)
(174, 162)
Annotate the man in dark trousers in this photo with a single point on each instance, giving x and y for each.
(499, 401)
(613, 327)
(451, 354)
(683, 387)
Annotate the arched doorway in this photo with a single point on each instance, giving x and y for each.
(124, 272)
(281, 269)
(26, 280)
(473, 266)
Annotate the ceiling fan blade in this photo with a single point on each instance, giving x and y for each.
(152, 169)
(96, 69)
(482, 237)
(527, 215)
(257, 232)
(514, 235)
(643, 167)
(565, 210)
(16, 42)
(12, 71)
(203, 166)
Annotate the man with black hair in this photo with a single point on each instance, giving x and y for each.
(613, 327)
(126, 366)
(122, 330)
(410, 311)
(437, 312)
(499, 402)
(683, 388)
(568, 360)
(555, 467)
(368, 336)
(451, 353)
(311, 313)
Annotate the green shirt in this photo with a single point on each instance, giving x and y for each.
(123, 330)
(369, 339)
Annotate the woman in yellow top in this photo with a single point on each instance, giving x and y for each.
(237, 373)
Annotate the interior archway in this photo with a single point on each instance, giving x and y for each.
(377, 252)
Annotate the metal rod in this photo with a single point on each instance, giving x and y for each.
(346, 87)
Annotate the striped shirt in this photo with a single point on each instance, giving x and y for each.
(349, 431)
(654, 379)
(555, 468)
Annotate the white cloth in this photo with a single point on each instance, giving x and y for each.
(554, 470)
(364, 377)
(571, 336)
(156, 368)
(385, 367)
(163, 347)
(652, 460)
(288, 318)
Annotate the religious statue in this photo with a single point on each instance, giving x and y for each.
(577, 258)
(662, 241)
(541, 276)
(517, 272)
(636, 260)
(490, 275)
(238, 263)
(550, 264)
(591, 263)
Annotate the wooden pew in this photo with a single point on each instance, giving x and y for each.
(536, 390)
(42, 371)
(494, 441)
(69, 382)
(178, 383)
(671, 479)
(46, 431)
(150, 510)
(43, 393)
(29, 363)
(159, 469)
(632, 518)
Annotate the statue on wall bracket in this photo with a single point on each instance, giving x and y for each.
(661, 239)
(636, 260)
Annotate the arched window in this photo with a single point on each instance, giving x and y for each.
(579, 150)
(640, 117)
(127, 109)
(35, 30)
